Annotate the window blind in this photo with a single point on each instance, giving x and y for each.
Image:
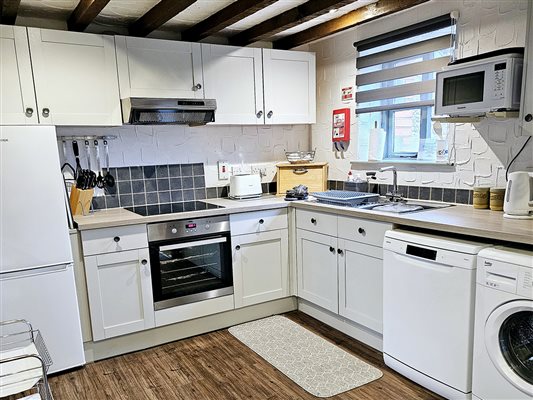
(397, 70)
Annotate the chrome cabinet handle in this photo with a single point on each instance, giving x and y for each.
(300, 171)
(46, 112)
(144, 262)
(259, 114)
(29, 112)
(270, 113)
(197, 87)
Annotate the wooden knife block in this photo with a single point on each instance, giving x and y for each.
(80, 200)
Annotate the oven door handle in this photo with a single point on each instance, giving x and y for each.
(192, 244)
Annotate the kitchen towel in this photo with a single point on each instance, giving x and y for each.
(316, 365)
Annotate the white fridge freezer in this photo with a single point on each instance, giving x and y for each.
(36, 271)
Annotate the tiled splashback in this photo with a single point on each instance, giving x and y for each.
(448, 195)
(165, 186)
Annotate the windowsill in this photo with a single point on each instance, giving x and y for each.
(408, 164)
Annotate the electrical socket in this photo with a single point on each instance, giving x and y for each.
(261, 171)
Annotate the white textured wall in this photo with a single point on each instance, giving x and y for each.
(261, 146)
(482, 151)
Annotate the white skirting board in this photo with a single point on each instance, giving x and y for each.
(95, 351)
(359, 332)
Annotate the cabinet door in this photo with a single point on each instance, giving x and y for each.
(317, 269)
(234, 77)
(17, 97)
(526, 107)
(260, 267)
(290, 87)
(361, 284)
(120, 293)
(75, 77)
(159, 68)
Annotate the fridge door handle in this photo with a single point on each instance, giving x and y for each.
(33, 271)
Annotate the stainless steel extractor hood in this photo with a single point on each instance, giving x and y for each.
(156, 111)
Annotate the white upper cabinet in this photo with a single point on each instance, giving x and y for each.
(75, 78)
(526, 113)
(234, 77)
(159, 68)
(17, 97)
(289, 86)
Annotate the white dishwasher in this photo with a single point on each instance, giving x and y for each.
(428, 310)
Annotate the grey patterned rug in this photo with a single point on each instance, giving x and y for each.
(318, 366)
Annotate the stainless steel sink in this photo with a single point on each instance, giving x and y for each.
(406, 207)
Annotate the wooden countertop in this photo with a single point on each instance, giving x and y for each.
(458, 219)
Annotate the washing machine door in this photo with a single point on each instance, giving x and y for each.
(509, 342)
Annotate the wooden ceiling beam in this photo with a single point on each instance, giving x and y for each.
(8, 11)
(158, 15)
(85, 13)
(356, 17)
(288, 19)
(224, 18)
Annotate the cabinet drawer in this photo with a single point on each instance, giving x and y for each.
(317, 222)
(313, 176)
(110, 240)
(363, 231)
(260, 221)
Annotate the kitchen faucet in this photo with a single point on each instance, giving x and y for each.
(393, 195)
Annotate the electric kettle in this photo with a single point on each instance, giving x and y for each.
(518, 201)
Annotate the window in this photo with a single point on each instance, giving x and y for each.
(396, 83)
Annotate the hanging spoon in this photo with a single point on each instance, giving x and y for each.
(99, 179)
(109, 179)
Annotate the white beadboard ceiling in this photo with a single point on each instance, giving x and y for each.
(123, 12)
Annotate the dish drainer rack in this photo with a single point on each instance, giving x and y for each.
(345, 197)
(24, 361)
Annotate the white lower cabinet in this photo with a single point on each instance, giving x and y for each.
(342, 272)
(361, 284)
(316, 262)
(260, 255)
(119, 286)
(260, 267)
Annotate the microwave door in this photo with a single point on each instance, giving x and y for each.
(464, 91)
(461, 90)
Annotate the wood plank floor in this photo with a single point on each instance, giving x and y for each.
(216, 366)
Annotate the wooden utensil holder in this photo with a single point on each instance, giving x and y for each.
(80, 200)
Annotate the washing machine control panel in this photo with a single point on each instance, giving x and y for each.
(510, 278)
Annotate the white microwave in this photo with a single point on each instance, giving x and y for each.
(480, 86)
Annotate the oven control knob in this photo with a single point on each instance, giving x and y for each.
(174, 230)
(207, 226)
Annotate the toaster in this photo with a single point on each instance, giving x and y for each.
(245, 186)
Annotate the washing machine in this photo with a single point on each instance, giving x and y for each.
(503, 332)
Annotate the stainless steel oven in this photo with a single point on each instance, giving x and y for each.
(190, 260)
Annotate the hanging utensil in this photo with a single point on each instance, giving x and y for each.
(91, 175)
(100, 179)
(76, 151)
(109, 180)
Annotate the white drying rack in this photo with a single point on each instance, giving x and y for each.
(24, 361)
